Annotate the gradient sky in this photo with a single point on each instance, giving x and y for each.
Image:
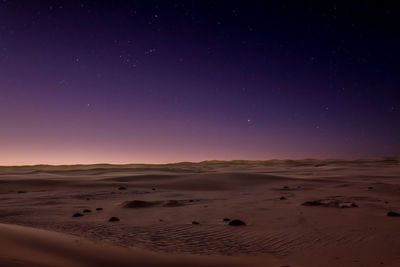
(166, 81)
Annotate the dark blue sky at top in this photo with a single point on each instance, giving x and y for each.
(162, 81)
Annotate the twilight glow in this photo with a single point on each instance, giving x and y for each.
(166, 81)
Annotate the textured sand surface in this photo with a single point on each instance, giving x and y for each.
(22, 246)
(156, 205)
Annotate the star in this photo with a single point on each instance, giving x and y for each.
(150, 51)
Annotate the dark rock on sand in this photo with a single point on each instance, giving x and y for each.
(139, 204)
(114, 219)
(236, 223)
(77, 215)
(226, 219)
(122, 188)
(87, 210)
(194, 222)
(370, 187)
(282, 198)
(173, 203)
(21, 192)
(312, 203)
(99, 209)
(393, 214)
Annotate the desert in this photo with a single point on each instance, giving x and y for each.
(212, 213)
(199, 133)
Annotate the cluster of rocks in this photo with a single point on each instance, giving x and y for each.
(78, 214)
(341, 204)
(336, 203)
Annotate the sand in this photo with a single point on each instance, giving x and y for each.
(296, 213)
(25, 246)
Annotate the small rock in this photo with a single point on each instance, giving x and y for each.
(282, 198)
(286, 187)
(226, 219)
(77, 215)
(393, 214)
(236, 223)
(153, 189)
(370, 187)
(114, 219)
(87, 210)
(21, 192)
(194, 222)
(99, 209)
(312, 203)
(122, 188)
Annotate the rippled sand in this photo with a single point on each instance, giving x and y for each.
(156, 205)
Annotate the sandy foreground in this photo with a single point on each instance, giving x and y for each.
(297, 213)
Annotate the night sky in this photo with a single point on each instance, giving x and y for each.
(167, 81)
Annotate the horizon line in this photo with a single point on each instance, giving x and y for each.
(206, 161)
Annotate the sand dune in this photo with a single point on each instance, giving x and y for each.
(23, 246)
(344, 222)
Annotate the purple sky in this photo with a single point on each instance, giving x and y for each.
(167, 81)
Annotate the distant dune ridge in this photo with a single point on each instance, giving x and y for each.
(292, 213)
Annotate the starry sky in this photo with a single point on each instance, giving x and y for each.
(166, 81)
